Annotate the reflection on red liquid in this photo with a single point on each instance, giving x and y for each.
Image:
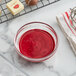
(36, 43)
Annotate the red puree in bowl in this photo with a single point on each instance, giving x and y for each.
(36, 43)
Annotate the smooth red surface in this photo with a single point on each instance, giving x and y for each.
(16, 6)
(36, 43)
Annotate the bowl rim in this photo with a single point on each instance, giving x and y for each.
(37, 59)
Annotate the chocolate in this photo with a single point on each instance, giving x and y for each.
(15, 6)
(31, 2)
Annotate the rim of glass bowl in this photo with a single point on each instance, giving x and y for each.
(36, 59)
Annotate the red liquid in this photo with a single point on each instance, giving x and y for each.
(36, 43)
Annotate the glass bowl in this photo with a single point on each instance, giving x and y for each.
(35, 25)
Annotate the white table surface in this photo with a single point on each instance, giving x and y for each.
(65, 60)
